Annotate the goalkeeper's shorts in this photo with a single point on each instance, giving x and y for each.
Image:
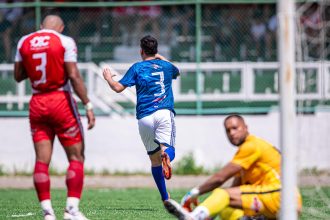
(263, 200)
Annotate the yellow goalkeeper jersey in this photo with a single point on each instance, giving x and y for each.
(260, 160)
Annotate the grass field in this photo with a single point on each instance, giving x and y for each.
(130, 203)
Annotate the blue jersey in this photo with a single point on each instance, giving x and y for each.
(153, 82)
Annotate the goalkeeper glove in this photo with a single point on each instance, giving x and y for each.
(190, 198)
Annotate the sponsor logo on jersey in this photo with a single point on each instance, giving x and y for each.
(159, 99)
(155, 66)
(39, 42)
(256, 204)
(72, 132)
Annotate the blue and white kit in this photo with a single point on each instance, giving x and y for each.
(153, 81)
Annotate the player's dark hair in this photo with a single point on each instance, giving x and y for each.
(149, 45)
(234, 115)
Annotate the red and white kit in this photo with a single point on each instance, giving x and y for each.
(52, 107)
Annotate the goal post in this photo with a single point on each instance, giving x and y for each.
(286, 56)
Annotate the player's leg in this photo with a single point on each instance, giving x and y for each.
(231, 214)
(236, 201)
(68, 128)
(74, 180)
(157, 173)
(43, 137)
(41, 179)
(261, 200)
(147, 133)
(212, 205)
(166, 160)
(165, 133)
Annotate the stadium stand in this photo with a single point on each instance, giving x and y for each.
(103, 36)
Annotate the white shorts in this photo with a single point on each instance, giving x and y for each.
(157, 128)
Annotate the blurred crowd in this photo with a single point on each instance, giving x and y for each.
(229, 31)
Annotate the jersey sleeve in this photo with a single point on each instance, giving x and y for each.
(70, 54)
(246, 155)
(129, 78)
(18, 56)
(176, 72)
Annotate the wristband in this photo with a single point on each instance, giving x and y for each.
(194, 192)
(88, 106)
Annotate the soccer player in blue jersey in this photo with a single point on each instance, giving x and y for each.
(152, 78)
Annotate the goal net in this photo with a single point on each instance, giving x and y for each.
(313, 45)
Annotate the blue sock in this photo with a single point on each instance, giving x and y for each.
(170, 152)
(157, 173)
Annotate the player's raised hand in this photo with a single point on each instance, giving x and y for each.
(161, 57)
(107, 74)
(190, 199)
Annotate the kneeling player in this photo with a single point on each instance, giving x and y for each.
(256, 187)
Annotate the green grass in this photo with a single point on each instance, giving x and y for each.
(130, 203)
(96, 204)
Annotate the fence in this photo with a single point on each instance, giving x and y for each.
(225, 87)
(238, 34)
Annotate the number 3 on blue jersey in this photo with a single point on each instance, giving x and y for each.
(161, 82)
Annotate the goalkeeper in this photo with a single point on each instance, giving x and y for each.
(256, 187)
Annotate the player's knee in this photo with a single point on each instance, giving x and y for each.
(155, 158)
(75, 152)
(40, 173)
(80, 158)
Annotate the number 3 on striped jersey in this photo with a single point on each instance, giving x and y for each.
(161, 82)
(41, 67)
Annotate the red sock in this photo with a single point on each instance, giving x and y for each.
(41, 180)
(75, 178)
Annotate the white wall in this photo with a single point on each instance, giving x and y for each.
(114, 144)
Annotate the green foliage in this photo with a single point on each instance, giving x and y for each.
(55, 171)
(90, 172)
(187, 166)
(21, 172)
(2, 171)
(314, 171)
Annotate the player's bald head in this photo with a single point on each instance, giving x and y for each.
(53, 22)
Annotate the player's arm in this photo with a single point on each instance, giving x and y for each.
(219, 178)
(237, 181)
(81, 91)
(161, 57)
(213, 182)
(19, 72)
(114, 85)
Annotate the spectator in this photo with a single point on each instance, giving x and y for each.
(271, 36)
(123, 23)
(8, 21)
(148, 16)
(258, 33)
(180, 22)
(312, 24)
(224, 38)
(88, 23)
